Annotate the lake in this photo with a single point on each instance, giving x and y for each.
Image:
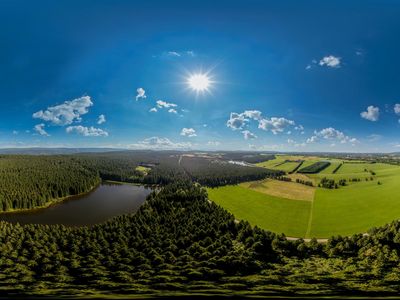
(104, 202)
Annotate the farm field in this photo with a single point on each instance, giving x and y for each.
(272, 164)
(293, 161)
(288, 190)
(263, 210)
(357, 207)
(331, 168)
(287, 166)
(361, 167)
(322, 212)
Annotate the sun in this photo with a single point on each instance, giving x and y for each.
(199, 82)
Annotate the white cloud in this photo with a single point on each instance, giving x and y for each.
(272, 147)
(15, 132)
(236, 121)
(159, 143)
(173, 53)
(372, 113)
(311, 139)
(189, 132)
(374, 137)
(177, 54)
(396, 109)
(86, 131)
(39, 128)
(299, 128)
(353, 141)
(66, 113)
(330, 61)
(275, 125)
(248, 135)
(252, 114)
(308, 67)
(295, 144)
(164, 104)
(141, 94)
(172, 111)
(101, 119)
(213, 143)
(331, 133)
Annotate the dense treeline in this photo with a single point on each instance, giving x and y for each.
(180, 242)
(249, 157)
(212, 172)
(177, 236)
(305, 182)
(337, 168)
(121, 166)
(298, 167)
(315, 168)
(328, 183)
(32, 181)
(168, 167)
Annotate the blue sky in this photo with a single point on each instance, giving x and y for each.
(286, 75)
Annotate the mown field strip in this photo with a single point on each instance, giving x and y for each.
(308, 232)
(282, 189)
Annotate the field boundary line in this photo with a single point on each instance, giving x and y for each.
(310, 218)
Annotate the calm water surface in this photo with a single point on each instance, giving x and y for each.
(106, 201)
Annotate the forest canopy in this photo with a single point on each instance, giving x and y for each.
(28, 181)
(181, 243)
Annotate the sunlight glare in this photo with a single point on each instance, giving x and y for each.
(199, 82)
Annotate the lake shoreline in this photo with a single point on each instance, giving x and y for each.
(51, 202)
(102, 202)
(57, 201)
(132, 183)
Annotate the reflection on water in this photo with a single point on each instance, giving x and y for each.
(106, 201)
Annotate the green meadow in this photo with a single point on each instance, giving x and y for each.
(265, 211)
(354, 208)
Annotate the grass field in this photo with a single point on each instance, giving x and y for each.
(361, 167)
(288, 166)
(331, 168)
(279, 163)
(282, 189)
(286, 163)
(271, 164)
(265, 211)
(354, 208)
